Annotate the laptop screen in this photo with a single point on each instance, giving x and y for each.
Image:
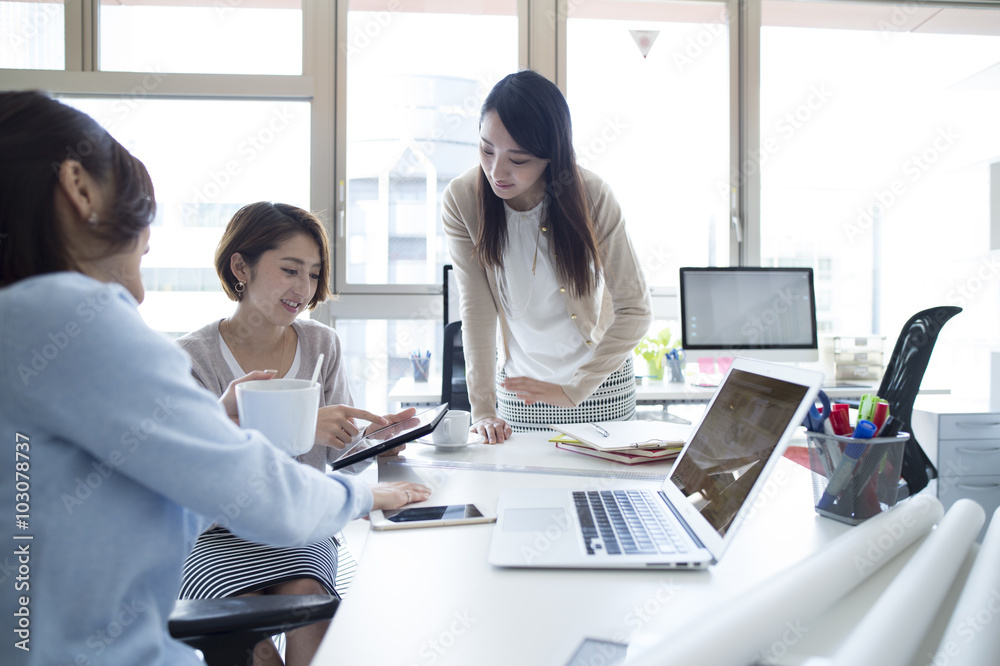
(734, 442)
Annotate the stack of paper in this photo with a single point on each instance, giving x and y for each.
(628, 442)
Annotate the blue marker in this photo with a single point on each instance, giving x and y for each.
(841, 475)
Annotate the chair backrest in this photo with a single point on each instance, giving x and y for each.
(454, 389)
(901, 382)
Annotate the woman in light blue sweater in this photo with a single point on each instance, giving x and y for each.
(116, 458)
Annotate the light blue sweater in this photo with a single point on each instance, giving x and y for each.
(115, 459)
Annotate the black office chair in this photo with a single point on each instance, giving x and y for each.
(454, 389)
(901, 382)
(226, 630)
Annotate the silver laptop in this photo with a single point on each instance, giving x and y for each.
(691, 520)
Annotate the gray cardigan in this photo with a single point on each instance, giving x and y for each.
(210, 369)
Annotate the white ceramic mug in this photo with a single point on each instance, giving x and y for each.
(453, 428)
(285, 410)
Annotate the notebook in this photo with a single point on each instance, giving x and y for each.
(626, 435)
(698, 509)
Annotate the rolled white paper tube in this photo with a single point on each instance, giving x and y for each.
(891, 632)
(797, 595)
(972, 637)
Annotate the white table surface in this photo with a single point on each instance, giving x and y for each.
(407, 391)
(428, 596)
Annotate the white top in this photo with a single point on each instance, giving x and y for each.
(234, 365)
(545, 344)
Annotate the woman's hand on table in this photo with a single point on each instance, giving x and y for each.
(397, 494)
(493, 429)
(228, 399)
(533, 390)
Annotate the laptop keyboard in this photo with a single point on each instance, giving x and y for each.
(626, 521)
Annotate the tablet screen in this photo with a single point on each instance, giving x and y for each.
(391, 436)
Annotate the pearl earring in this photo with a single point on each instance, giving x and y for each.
(92, 220)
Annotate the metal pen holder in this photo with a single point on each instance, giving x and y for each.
(421, 368)
(852, 490)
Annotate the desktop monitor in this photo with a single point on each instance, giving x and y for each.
(763, 313)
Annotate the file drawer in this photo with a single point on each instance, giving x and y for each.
(969, 426)
(968, 456)
(963, 442)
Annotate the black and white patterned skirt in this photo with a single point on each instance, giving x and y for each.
(224, 565)
(614, 400)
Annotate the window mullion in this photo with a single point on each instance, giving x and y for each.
(747, 252)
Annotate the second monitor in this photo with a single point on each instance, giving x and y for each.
(763, 313)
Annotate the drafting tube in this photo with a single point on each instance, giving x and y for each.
(892, 630)
(756, 619)
(971, 638)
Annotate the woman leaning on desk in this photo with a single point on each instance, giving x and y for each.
(123, 458)
(539, 246)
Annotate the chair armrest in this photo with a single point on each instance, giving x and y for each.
(269, 613)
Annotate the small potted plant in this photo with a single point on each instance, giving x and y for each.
(652, 348)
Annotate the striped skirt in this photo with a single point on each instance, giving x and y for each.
(224, 565)
(614, 400)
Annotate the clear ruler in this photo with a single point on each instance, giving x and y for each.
(529, 469)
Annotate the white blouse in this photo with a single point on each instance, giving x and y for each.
(545, 344)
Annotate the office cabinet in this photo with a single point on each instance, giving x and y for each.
(963, 441)
(853, 358)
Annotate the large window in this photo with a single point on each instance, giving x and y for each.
(201, 36)
(878, 128)
(32, 34)
(648, 86)
(854, 137)
(416, 77)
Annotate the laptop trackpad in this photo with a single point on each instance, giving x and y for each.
(533, 520)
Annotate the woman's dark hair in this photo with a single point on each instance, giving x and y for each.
(262, 226)
(536, 115)
(38, 134)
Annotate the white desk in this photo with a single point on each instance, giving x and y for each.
(656, 392)
(428, 596)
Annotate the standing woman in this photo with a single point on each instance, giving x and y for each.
(539, 245)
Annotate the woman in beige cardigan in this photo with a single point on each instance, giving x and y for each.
(539, 246)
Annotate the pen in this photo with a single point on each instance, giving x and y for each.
(840, 477)
(602, 431)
